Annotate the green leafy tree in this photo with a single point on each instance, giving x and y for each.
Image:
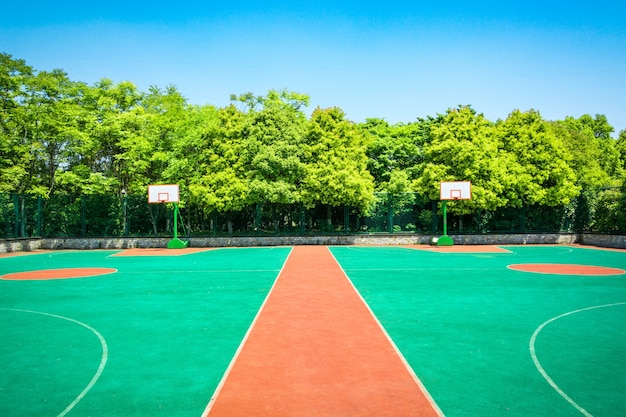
(621, 148)
(595, 156)
(463, 146)
(539, 162)
(79, 173)
(147, 134)
(336, 162)
(186, 132)
(213, 161)
(50, 127)
(43, 119)
(393, 148)
(272, 148)
(15, 151)
(118, 128)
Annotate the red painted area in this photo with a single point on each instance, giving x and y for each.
(14, 254)
(46, 274)
(566, 269)
(316, 350)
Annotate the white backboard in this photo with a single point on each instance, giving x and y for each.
(455, 190)
(163, 193)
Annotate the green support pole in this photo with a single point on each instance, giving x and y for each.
(176, 243)
(445, 240)
(445, 219)
(175, 221)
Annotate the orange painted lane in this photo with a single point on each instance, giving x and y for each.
(316, 350)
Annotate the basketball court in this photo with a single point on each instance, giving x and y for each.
(314, 331)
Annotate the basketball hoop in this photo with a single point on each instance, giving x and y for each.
(455, 194)
(451, 190)
(163, 193)
(168, 193)
(455, 190)
(163, 197)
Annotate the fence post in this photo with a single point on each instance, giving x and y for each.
(39, 216)
(302, 218)
(258, 216)
(125, 213)
(83, 215)
(16, 212)
(435, 218)
(389, 213)
(346, 220)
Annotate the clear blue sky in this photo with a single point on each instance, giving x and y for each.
(397, 60)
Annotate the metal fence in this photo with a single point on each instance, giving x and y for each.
(599, 211)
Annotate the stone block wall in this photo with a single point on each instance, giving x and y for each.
(32, 244)
(607, 241)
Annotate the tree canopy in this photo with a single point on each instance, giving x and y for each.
(63, 136)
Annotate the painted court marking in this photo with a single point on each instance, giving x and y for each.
(460, 248)
(566, 269)
(599, 248)
(14, 254)
(160, 251)
(239, 348)
(62, 273)
(103, 360)
(540, 368)
(316, 350)
(395, 347)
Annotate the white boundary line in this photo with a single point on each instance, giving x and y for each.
(103, 360)
(543, 372)
(217, 391)
(198, 271)
(395, 347)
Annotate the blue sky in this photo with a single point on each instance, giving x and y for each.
(397, 60)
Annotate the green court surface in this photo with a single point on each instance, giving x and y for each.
(464, 322)
(155, 337)
(171, 326)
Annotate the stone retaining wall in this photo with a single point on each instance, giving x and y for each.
(607, 241)
(31, 244)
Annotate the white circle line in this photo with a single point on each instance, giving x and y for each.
(540, 368)
(103, 360)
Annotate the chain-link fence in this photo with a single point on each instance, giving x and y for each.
(600, 211)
